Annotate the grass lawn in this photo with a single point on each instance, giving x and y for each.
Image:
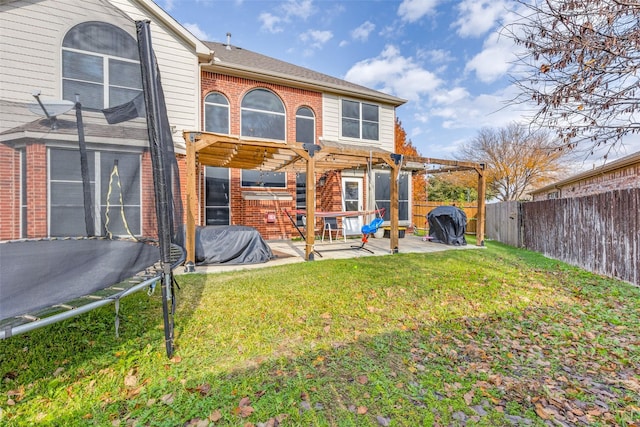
(489, 337)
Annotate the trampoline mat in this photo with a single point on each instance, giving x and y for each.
(42, 273)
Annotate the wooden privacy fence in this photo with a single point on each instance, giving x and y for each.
(420, 211)
(600, 233)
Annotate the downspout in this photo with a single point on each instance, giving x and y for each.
(199, 102)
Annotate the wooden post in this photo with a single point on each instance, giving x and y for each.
(310, 208)
(481, 205)
(395, 174)
(192, 203)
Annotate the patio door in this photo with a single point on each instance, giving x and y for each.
(352, 202)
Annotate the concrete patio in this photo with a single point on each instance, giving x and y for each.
(290, 251)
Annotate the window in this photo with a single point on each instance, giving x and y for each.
(383, 195)
(217, 196)
(262, 115)
(66, 195)
(216, 113)
(305, 126)
(360, 120)
(251, 178)
(100, 62)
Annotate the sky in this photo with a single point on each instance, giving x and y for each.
(448, 58)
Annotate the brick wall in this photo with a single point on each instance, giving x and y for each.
(9, 186)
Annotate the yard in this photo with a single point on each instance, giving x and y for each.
(476, 337)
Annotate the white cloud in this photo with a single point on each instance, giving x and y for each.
(392, 73)
(343, 43)
(316, 38)
(285, 13)
(197, 31)
(362, 32)
(270, 23)
(448, 97)
(478, 17)
(435, 56)
(413, 10)
(495, 59)
(480, 111)
(299, 9)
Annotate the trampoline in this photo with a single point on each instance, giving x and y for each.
(44, 281)
(130, 232)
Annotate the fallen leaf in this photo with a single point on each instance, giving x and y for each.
(362, 410)
(130, 381)
(245, 411)
(542, 413)
(362, 379)
(468, 397)
(176, 359)
(215, 416)
(167, 399)
(203, 389)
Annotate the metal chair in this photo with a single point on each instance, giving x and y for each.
(331, 225)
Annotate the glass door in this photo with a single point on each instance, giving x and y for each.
(352, 202)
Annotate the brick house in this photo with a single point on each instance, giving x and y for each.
(210, 87)
(619, 174)
(255, 96)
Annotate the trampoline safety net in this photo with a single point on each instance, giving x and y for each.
(92, 182)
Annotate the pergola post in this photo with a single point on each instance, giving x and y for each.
(310, 208)
(394, 176)
(481, 205)
(192, 205)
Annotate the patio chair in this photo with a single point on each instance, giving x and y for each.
(331, 225)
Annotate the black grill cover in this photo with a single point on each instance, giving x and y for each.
(232, 244)
(447, 224)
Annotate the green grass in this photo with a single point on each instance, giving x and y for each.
(488, 337)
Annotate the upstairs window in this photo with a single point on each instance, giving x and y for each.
(262, 115)
(305, 126)
(216, 113)
(100, 62)
(360, 120)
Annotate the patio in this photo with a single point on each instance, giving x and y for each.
(290, 251)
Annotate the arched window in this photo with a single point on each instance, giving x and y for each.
(263, 115)
(100, 62)
(216, 113)
(305, 125)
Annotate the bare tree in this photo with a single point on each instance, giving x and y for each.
(517, 159)
(581, 61)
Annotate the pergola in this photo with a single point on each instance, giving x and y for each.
(212, 149)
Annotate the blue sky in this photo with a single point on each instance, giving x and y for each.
(446, 57)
